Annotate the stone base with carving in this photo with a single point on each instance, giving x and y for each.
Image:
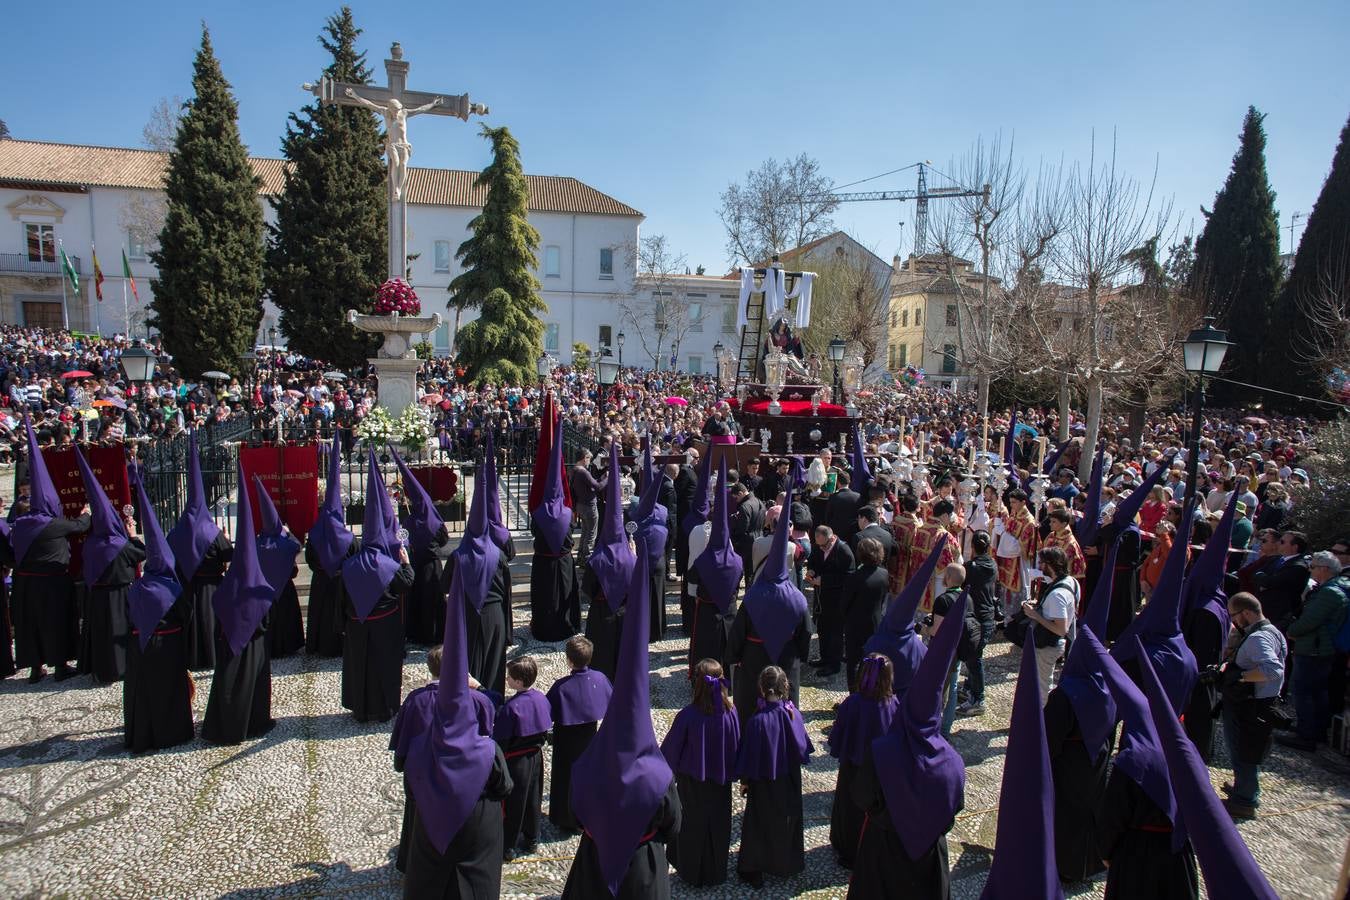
(396, 364)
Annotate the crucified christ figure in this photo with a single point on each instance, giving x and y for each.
(396, 146)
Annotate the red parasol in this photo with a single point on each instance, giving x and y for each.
(430, 399)
(78, 373)
(676, 401)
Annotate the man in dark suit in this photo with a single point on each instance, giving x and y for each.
(1281, 586)
(869, 526)
(772, 482)
(841, 512)
(747, 523)
(828, 568)
(750, 477)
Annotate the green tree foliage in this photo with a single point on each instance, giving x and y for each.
(1313, 310)
(503, 343)
(208, 296)
(1237, 258)
(1319, 510)
(327, 248)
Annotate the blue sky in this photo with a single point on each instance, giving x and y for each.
(662, 105)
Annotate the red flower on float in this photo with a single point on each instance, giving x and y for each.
(397, 296)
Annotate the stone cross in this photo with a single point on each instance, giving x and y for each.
(396, 103)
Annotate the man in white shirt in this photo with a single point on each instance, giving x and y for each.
(1055, 614)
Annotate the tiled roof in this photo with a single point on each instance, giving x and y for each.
(42, 163)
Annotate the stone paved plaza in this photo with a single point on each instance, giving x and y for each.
(313, 809)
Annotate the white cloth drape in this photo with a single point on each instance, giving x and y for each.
(771, 286)
(801, 292)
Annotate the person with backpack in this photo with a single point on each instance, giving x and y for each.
(1252, 676)
(1313, 636)
(1054, 614)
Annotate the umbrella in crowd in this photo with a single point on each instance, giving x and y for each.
(78, 373)
(676, 401)
(216, 375)
(334, 376)
(430, 399)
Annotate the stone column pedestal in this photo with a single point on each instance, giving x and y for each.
(396, 364)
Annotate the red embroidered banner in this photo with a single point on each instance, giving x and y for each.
(441, 482)
(110, 468)
(291, 476)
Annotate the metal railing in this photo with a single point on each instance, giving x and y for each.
(19, 262)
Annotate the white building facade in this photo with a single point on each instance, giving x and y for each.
(97, 199)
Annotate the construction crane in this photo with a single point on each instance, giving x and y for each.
(921, 195)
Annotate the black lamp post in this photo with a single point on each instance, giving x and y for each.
(138, 363)
(1202, 352)
(605, 372)
(248, 361)
(271, 339)
(718, 350)
(836, 350)
(544, 365)
(620, 348)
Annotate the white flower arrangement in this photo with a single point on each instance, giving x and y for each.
(377, 426)
(413, 427)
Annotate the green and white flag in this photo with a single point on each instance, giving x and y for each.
(70, 271)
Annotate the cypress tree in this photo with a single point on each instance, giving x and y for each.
(1237, 259)
(1321, 273)
(327, 248)
(208, 294)
(503, 343)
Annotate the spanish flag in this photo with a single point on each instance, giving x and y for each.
(126, 273)
(98, 276)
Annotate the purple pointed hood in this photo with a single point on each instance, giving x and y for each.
(367, 574)
(650, 518)
(648, 502)
(1204, 585)
(1139, 755)
(195, 531)
(330, 536)
(774, 604)
(448, 765)
(107, 534)
(1227, 863)
(896, 636)
(1010, 450)
(1053, 459)
(921, 774)
(621, 777)
(698, 510)
(1159, 626)
(1024, 848)
(1129, 507)
(244, 595)
(719, 567)
(612, 559)
(277, 549)
(44, 502)
(151, 595)
(424, 524)
(1082, 679)
(496, 526)
(477, 555)
(552, 518)
(1092, 506)
(859, 476)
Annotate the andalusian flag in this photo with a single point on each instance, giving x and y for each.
(98, 276)
(70, 271)
(126, 273)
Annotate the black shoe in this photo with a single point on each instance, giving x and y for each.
(1226, 788)
(1239, 810)
(1295, 742)
(754, 879)
(527, 849)
(509, 855)
(65, 671)
(37, 674)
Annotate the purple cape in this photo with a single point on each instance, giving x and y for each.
(1203, 589)
(500, 533)
(773, 603)
(413, 719)
(1140, 753)
(424, 524)
(1158, 627)
(330, 536)
(522, 715)
(477, 555)
(107, 535)
(859, 721)
(151, 595)
(698, 510)
(921, 774)
(276, 548)
(44, 503)
(650, 517)
(1092, 506)
(621, 777)
(1024, 848)
(243, 597)
(720, 567)
(612, 559)
(367, 574)
(775, 738)
(704, 746)
(579, 698)
(552, 519)
(860, 478)
(1082, 679)
(896, 637)
(195, 531)
(449, 764)
(1228, 866)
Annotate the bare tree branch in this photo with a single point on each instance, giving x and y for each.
(780, 206)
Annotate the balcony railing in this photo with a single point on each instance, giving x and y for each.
(19, 262)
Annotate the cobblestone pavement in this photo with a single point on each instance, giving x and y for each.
(313, 808)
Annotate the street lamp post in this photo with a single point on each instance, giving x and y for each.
(544, 365)
(1202, 353)
(620, 348)
(138, 363)
(248, 361)
(836, 350)
(605, 373)
(718, 350)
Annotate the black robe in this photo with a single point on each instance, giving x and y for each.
(286, 630)
(426, 598)
(604, 627)
(326, 616)
(569, 742)
(157, 693)
(372, 654)
(648, 875)
(1125, 587)
(1136, 839)
(746, 652)
(881, 867)
(772, 835)
(471, 867)
(846, 817)
(107, 621)
(711, 630)
(46, 621)
(240, 703)
(522, 811)
(1201, 630)
(555, 608)
(1080, 779)
(7, 667)
(200, 629)
(700, 850)
(486, 627)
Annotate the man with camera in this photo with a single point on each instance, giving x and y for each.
(1251, 683)
(1053, 614)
